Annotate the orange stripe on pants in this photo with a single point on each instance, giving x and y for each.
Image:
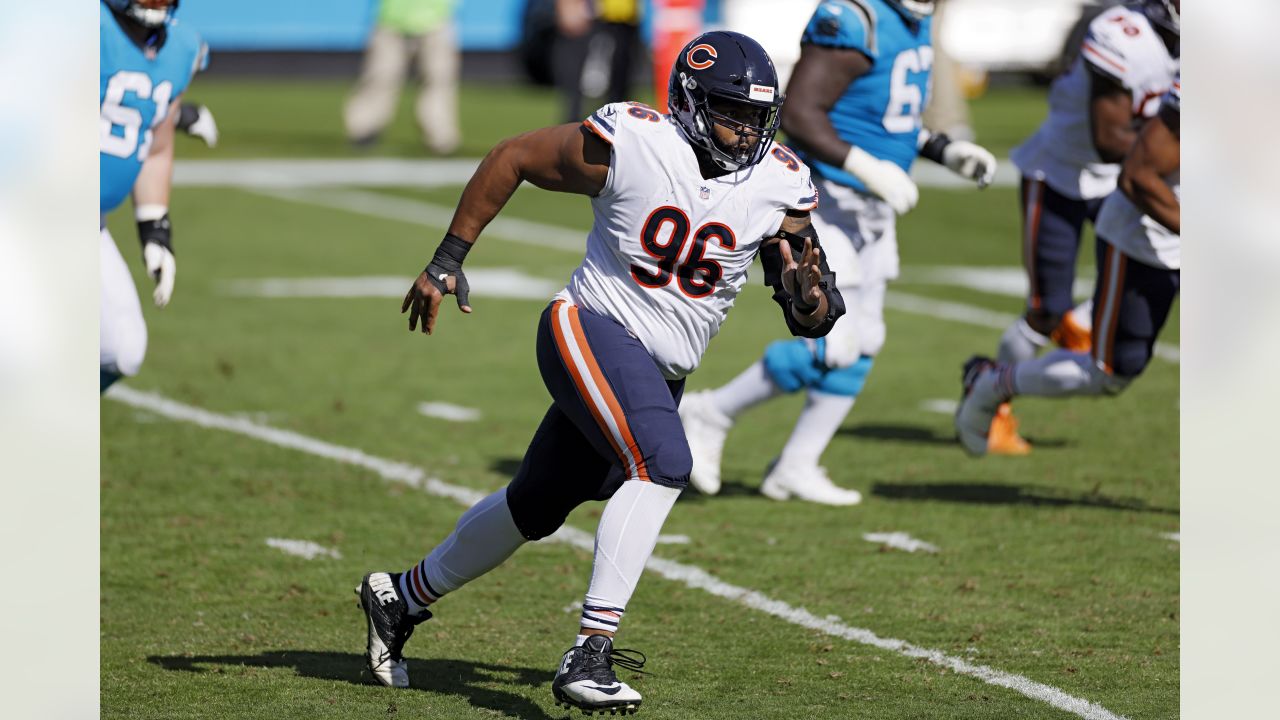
(1106, 313)
(624, 442)
(1034, 198)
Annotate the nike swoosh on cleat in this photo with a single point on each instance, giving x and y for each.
(606, 691)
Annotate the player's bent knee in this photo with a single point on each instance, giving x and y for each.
(124, 353)
(847, 381)
(536, 515)
(791, 365)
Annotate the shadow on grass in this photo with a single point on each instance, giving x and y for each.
(997, 494)
(464, 678)
(923, 435)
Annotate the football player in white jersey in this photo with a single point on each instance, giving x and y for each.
(683, 203)
(1139, 261)
(1127, 60)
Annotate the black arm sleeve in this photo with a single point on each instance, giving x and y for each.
(771, 259)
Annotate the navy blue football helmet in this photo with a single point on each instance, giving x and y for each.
(726, 78)
(147, 13)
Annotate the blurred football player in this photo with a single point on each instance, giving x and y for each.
(1139, 261)
(147, 60)
(682, 203)
(1127, 59)
(853, 111)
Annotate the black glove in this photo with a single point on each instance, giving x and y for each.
(448, 261)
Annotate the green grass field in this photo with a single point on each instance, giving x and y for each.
(1053, 567)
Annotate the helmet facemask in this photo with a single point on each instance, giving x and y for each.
(752, 128)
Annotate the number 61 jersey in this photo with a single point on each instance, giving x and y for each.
(669, 250)
(137, 85)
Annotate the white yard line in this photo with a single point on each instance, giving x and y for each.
(689, 575)
(674, 540)
(1176, 537)
(392, 172)
(419, 212)
(900, 541)
(528, 232)
(303, 548)
(508, 283)
(447, 411)
(942, 406)
(995, 280)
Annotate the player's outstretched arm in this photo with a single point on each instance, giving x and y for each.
(1155, 155)
(803, 285)
(565, 158)
(820, 77)
(151, 208)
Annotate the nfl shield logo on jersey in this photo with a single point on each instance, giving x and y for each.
(704, 192)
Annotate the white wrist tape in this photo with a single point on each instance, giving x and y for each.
(150, 212)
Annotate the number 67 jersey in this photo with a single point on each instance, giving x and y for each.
(136, 88)
(669, 250)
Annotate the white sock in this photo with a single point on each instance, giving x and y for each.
(1020, 343)
(818, 422)
(628, 531)
(751, 387)
(484, 537)
(1060, 373)
(580, 640)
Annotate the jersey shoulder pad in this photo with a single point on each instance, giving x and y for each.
(187, 47)
(844, 24)
(608, 121)
(790, 179)
(1117, 42)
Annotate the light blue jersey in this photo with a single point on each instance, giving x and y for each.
(880, 111)
(136, 89)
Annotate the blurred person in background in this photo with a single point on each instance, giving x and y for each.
(1139, 274)
(595, 51)
(1127, 59)
(405, 30)
(854, 107)
(147, 60)
(683, 203)
(948, 110)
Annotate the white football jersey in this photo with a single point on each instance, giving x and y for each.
(1134, 233)
(669, 250)
(1121, 43)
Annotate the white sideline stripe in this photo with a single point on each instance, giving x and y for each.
(507, 283)
(303, 548)
(942, 406)
(316, 172)
(995, 280)
(425, 173)
(528, 232)
(901, 541)
(431, 215)
(689, 575)
(446, 411)
(674, 540)
(982, 317)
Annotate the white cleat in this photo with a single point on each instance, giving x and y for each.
(978, 405)
(705, 427)
(811, 483)
(585, 679)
